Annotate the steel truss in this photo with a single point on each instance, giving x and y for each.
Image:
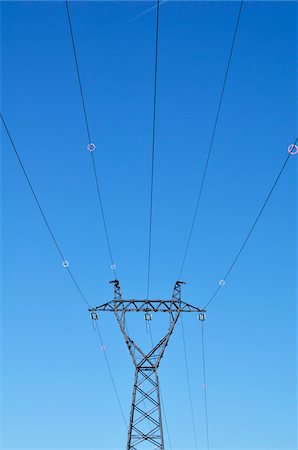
(145, 426)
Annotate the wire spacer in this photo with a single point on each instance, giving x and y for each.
(113, 266)
(65, 263)
(221, 282)
(293, 149)
(91, 147)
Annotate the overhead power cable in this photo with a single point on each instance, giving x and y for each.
(153, 148)
(59, 250)
(232, 265)
(188, 386)
(166, 422)
(91, 146)
(110, 371)
(211, 141)
(205, 386)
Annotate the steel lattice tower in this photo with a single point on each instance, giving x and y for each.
(145, 426)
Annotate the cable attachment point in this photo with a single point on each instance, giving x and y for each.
(65, 264)
(91, 147)
(293, 149)
(202, 317)
(115, 282)
(94, 315)
(148, 317)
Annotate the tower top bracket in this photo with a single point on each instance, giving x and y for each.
(120, 305)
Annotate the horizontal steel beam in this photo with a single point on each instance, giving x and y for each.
(169, 306)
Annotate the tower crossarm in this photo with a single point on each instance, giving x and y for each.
(148, 306)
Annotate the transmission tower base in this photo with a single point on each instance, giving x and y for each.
(145, 428)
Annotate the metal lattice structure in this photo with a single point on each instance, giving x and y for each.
(145, 426)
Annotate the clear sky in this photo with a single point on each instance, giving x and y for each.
(57, 393)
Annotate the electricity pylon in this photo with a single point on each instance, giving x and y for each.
(145, 425)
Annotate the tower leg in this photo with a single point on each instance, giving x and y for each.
(145, 425)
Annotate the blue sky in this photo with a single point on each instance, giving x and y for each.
(57, 392)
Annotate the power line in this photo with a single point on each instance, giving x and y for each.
(32, 190)
(59, 250)
(188, 385)
(166, 422)
(60, 253)
(251, 229)
(78, 70)
(110, 372)
(211, 142)
(153, 148)
(148, 328)
(205, 386)
(113, 266)
(103, 215)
